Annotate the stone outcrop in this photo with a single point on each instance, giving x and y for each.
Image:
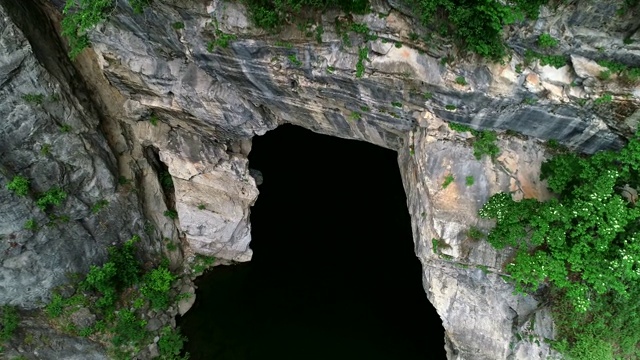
(158, 97)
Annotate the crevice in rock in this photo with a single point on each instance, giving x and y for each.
(152, 154)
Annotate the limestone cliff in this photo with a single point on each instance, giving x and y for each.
(157, 88)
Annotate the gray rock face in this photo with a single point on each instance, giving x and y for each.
(51, 137)
(208, 106)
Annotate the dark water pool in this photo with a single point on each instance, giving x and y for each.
(334, 274)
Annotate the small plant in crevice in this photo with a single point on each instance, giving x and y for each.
(469, 180)
(605, 98)
(171, 343)
(45, 149)
(202, 262)
(435, 245)
(220, 38)
(485, 144)
(330, 69)
(365, 108)
(450, 107)
(201, 206)
(319, 32)
(9, 322)
(153, 119)
(52, 197)
(460, 80)
(19, 185)
(397, 104)
(398, 44)
(605, 75)
(31, 225)
(99, 205)
(362, 56)
(546, 41)
(178, 25)
(65, 128)
(294, 60)
(447, 180)
(427, 95)
(166, 180)
(171, 214)
(475, 233)
(355, 116)
(36, 99)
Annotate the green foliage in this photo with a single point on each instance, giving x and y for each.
(398, 44)
(319, 32)
(170, 344)
(220, 39)
(362, 56)
(355, 115)
(330, 69)
(202, 262)
(53, 196)
(469, 180)
(294, 60)
(56, 307)
(460, 80)
(179, 25)
(33, 98)
(450, 107)
(397, 104)
(101, 204)
(31, 225)
(19, 185)
(459, 127)
(530, 101)
(485, 144)
(8, 323)
(128, 329)
(202, 206)
(475, 233)
(545, 41)
(271, 14)
(45, 149)
(435, 244)
(476, 24)
(605, 75)
(427, 95)
(171, 214)
(605, 98)
(166, 180)
(65, 128)
(121, 270)
(365, 108)
(447, 180)
(153, 119)
(79, 17)
(585, 243)
(157, 284)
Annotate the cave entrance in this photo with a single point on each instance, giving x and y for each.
(334, 274)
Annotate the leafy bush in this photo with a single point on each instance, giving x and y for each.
(33, 98)
(19, 185)
(53, 196)
(120, 271)
(171, 343)
(81, 16)
(101, 204)
(476, 24)
(545, 41)
(171, 214)
(31, 225)
(128, 329)
(9, 322)
(363, 54)
(585, 243)
(469, 180)
(157, 284)
(460, 80)
(484, 144)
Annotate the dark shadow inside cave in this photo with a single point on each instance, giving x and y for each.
(334, 274)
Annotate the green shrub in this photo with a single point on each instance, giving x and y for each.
(584, 244)
(31, 225)
(459, 127)
(56, 307)
(202, 262)
(605, 75)
(128, 329)
(202, 206)
(605, 98)
(33, 98)
(170, 344)
(469, 180)
(363, 54)
(485, 144)
(294, 60)
(447, 181)
(545, 41)
(153, 119)
(460, 80)
(8, 323)
(65, 128)
(171, 214)
(101, 204)
(355, 115)
(19, 185)
(319, 32)
(53, 196)
(475, 233)
(157, 284)
(397, 104)
(45, 149)
(450, 107)
(178, 25)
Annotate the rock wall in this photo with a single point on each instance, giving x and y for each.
(155, 89)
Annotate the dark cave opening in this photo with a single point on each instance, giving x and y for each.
(334, 274)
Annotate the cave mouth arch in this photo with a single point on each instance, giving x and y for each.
(333, 275)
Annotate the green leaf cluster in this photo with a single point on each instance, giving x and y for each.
(157, 284)
(8, 323)
(19, 185)
(584, 243)
(484, 142)
(170, 344)
(54, 196)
